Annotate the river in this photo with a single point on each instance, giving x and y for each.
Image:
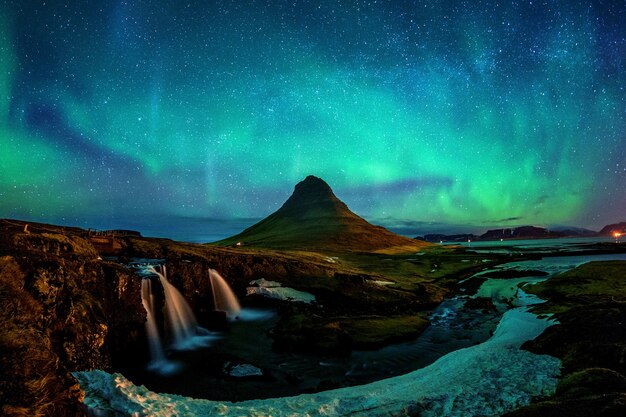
(453, 327)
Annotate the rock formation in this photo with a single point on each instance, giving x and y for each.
(62, 309)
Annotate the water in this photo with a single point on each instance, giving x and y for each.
(529, 243)
(223, 297)
(143, 266)
(154, 341)
(453, 327)
(539, 246)
(182, 324)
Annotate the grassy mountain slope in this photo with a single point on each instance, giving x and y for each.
(314, 218)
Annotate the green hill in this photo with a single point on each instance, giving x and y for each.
(313, 218)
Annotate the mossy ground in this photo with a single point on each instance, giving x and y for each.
(339, 335)
(590, 283)
(589, 302)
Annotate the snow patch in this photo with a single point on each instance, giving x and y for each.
(275, 290)
(508, 290)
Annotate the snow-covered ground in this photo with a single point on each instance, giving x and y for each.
(484, 380)
(275, 290)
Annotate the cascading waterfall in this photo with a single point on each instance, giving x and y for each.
(224, 298)
(154, 342)
(180, 319)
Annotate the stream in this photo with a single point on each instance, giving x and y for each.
(276, 374)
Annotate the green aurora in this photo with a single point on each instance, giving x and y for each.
(472, 113)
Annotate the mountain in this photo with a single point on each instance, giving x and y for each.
(521, 232)
(609, 229)
(571, 231)
(314, 218)
(438, 237)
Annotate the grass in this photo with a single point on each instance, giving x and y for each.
(371, 332)
(339, 335)
(435, 265)
(592, 282)
(589, 304)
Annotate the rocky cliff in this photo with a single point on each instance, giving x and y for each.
(63, 309)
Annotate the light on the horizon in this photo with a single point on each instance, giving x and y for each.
(617, 236)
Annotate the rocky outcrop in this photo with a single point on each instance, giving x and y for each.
(63, 309)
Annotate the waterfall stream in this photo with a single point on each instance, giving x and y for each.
(223, 297)
(180, 320)
(154, 341)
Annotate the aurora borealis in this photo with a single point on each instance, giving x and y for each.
(126, 113)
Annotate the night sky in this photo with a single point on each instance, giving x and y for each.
(160, 115)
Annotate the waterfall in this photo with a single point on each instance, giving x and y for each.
(180, 319)
(223, 297)
(147, 299)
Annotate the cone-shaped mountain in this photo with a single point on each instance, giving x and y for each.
(314, 218)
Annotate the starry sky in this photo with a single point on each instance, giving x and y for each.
(171, 115)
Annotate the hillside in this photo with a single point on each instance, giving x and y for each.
(313, 218)
(610, 229)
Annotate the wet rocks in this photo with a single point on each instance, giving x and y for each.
(242, 370)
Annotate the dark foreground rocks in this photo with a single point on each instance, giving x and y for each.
(62, 309)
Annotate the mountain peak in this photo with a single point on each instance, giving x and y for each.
(311, 181)
(311, 190)
(313, 218)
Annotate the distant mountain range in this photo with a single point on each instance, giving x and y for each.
(314, 218)
(611, 229)
(527, 232)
